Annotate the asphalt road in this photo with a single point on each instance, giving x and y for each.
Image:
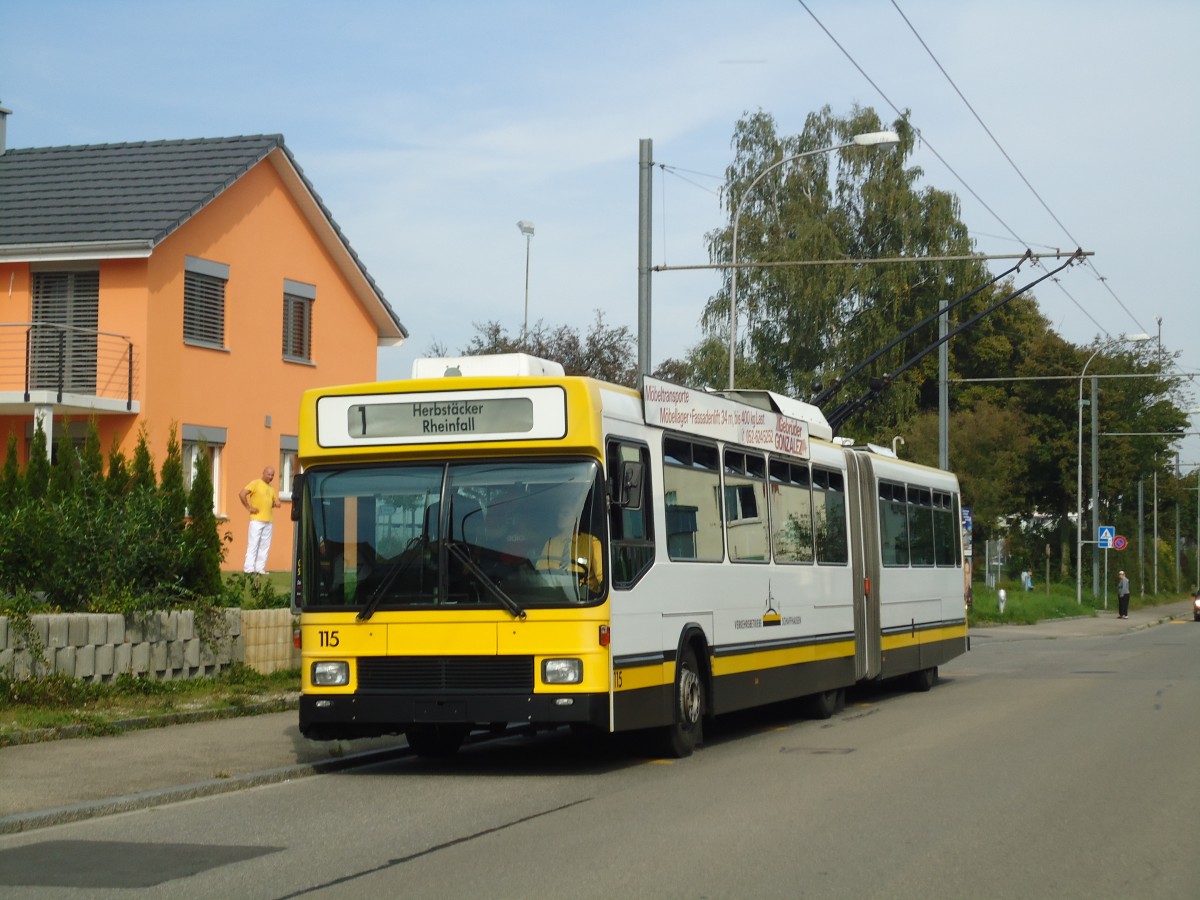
(1048, 763)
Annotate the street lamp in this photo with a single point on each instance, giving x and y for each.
(527, 230)
(870, 139)
(1133, 339)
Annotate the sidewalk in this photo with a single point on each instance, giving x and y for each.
(72, 779)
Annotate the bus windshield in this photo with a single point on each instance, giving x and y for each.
(508, 535)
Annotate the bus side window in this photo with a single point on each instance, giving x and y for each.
(631, 528)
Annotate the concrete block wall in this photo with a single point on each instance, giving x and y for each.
(160, 645)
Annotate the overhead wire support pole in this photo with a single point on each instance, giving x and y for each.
(843, 412)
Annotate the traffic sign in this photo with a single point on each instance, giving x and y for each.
(1119, 542)
(1107, 535)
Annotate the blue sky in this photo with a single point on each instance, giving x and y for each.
(431, 128)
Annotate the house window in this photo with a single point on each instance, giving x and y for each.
(297, 320)
(289, 447)
(204, 302)
(198, 439)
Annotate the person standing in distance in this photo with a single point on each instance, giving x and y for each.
(261, 500)
(1122, 596)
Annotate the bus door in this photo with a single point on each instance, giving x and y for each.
(868, 662)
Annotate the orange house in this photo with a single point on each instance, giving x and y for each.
(195, 283)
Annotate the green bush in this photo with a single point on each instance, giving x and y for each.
(77, 539)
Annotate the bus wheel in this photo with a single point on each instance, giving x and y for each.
(436, 741)
(825, 704)
(923, 679)
(686, 731)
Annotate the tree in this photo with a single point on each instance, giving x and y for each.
(143, 464)
(204, 547)
(605, 352)
(12, 485)
(806, 326)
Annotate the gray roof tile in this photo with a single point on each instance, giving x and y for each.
(106, 193)
(117, 192)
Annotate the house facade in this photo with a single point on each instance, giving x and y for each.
(195, 284)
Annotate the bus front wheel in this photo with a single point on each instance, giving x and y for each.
(686, 729)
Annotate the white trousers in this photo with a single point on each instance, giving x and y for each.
(258, 542)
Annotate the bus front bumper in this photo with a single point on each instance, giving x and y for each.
(348, 716)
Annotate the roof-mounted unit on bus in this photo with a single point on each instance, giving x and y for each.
(496, 365)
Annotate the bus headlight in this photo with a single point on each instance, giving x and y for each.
(330, 674)
(562, 671)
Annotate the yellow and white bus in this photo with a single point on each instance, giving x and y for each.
(492, 542)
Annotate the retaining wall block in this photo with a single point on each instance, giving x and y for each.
(237, 649)
(3, 632)
(64, 661)
(41, 628)
(171, 632)
(116, 629)
(139, 662)
(104, 661)
(22, 665)
(97, 630)
(77, 629)
(158, 657)
(187, 625)
(85, 661)
(6, 661)
(135, 630)
(56, 631)
(154, 626)
(122, 659)
(175, 655)
(191, 653)
(233, 622)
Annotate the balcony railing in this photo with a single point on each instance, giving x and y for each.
(64, 359)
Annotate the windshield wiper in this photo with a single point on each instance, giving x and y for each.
(492, 588)
(377, 595)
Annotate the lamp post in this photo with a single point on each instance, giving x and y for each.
(527, 230)
(1131, 338)
(870, 139)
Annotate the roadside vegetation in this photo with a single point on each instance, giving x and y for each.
(1040, 604)
(56, 706)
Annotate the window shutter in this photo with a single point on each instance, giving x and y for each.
(203, 309)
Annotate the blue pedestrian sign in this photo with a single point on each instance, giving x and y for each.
(1106, 537)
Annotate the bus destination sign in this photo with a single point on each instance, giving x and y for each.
(441, 417)
(438, 418)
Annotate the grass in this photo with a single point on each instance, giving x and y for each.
(41, 708)
(1055, 602)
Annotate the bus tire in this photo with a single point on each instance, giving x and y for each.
(436, 741)
(824, 704)
(687, 728)
(923, 679)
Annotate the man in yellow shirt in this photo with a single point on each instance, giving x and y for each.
(261, 500)
(570, 550)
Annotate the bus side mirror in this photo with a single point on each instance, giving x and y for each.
(630, 496)
(297, 488)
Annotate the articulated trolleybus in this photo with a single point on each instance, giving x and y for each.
(492, 542)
